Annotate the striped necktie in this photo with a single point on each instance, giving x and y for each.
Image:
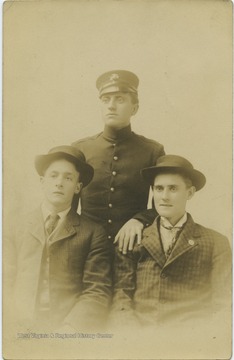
(51, 223)
(173, 233)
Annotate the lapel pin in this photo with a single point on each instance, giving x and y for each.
(191, 242)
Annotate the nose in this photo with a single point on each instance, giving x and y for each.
(59, 181)
(165, 195)
(111, 104)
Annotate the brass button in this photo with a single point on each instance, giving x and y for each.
(114, 173)
(110, 205)
(109, 221)
(109, 236)
(115, 158)
(112, 189)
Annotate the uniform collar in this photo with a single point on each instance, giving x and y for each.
(111, 134)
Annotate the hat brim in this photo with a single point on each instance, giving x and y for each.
(197, 178)
(43, 161)
(108, 89)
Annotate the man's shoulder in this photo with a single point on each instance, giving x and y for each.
(212, 236)
(205, 230)
(147, 141)
(87, 139)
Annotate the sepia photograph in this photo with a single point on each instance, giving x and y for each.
(117, 179)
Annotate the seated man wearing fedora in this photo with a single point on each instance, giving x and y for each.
(182, 270)
(58, 262)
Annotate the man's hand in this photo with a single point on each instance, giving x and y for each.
(126, 236)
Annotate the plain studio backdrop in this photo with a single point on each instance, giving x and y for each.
(182, 53)
(53, 52)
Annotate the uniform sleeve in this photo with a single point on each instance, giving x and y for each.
(147, 216)
(92, 307)
(122, 312)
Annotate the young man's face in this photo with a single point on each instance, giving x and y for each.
(171, 193)
(59, 184)
(117, 109)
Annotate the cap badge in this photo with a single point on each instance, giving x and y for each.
(114, 77)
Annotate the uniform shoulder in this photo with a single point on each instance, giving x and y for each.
(86, 139)
(146, 140)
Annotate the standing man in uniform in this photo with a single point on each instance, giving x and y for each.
(117, 197)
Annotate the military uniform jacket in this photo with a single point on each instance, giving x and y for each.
(194, 281)
(117, 191)
(79, 271)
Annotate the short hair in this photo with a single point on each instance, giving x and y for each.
(134, 98)
(183, 174)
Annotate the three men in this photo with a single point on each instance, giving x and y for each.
(117, 192)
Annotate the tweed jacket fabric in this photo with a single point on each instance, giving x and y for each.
(79, 271)
(117, 192)
(194, 281)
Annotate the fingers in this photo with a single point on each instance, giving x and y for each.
(131, 242)
(128, 242)
(139, 236)
(127, 235)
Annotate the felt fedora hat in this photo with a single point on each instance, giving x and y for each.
(176, 164)
(69, 153)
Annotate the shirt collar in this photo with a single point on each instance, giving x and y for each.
(46, 212)
(179, 224)
(116, 135)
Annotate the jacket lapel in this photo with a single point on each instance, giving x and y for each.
(36, 226)
(66, 228)
(151, 241)
(186, 241)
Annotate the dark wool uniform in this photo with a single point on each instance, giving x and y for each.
(117, 192)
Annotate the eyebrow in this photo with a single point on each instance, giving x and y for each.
(64, 173)
(166, 185)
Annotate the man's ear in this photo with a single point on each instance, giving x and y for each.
(135, 109)
(79, 187)
(191, 192)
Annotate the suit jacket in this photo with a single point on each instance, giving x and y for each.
(117, 192)
(194, 281)
(79, 275)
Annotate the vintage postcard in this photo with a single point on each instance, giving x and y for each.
(94, 92)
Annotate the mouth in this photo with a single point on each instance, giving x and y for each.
(165, 205)
(112, 114)
(58, 193)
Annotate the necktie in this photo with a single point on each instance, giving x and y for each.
(172, 234)
(51, 223)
